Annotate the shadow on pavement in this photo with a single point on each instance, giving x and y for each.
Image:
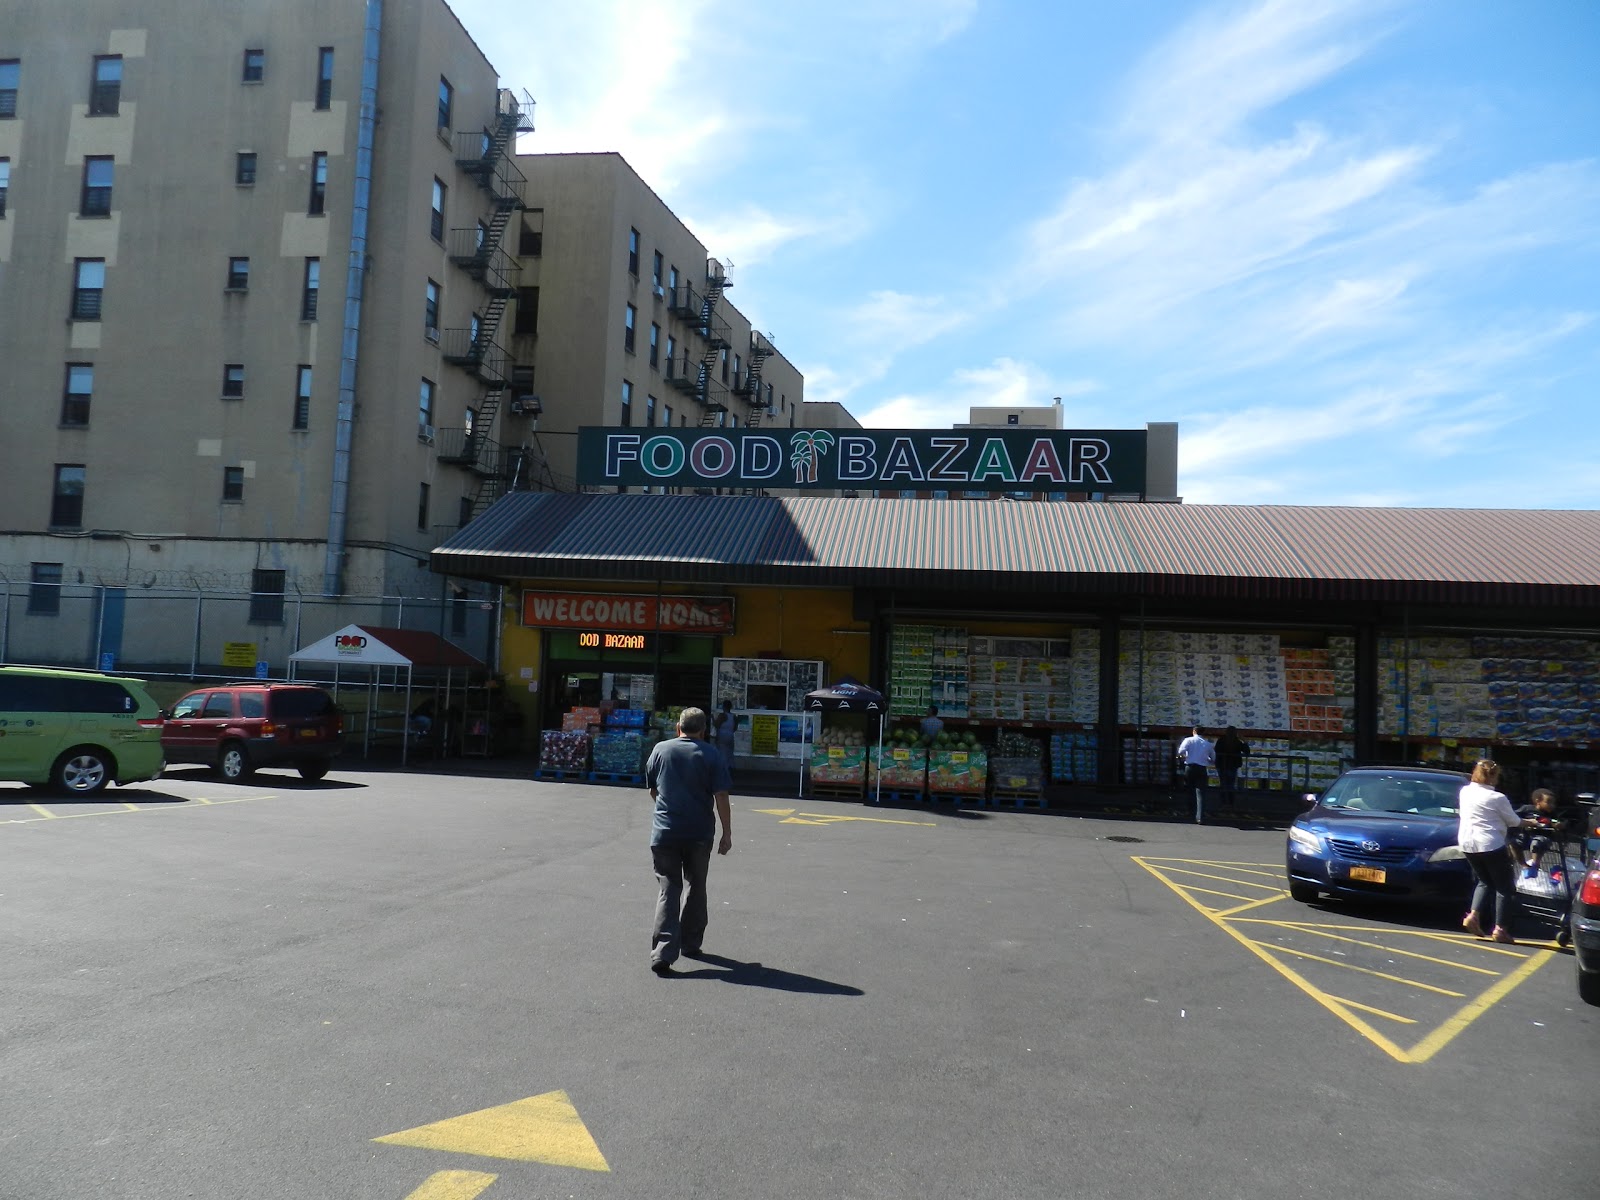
(285, 778)
(753, 974)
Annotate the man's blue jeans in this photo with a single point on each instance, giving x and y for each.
(680, 919)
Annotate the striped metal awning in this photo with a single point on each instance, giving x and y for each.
(1262, 552)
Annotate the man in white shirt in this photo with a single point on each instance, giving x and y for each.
(1196, 755)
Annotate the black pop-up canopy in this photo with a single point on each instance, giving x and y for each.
(846, 696)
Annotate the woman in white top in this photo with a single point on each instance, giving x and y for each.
(1485, 816)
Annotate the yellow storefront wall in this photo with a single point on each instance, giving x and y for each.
(800, 623)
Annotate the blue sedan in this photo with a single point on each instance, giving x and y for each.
(1381, 832)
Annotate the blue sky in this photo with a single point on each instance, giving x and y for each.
(1351, 246)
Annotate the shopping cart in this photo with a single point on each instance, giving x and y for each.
(1550, 858)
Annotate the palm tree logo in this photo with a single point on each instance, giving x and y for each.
(808, 444)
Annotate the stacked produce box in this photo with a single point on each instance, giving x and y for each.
(901, 766)
(564, 751)
(839, 757)
(911, 670)
(1209, 679)
(1312, 682)
(957, 765)
(1017, 764)
(1294, 764)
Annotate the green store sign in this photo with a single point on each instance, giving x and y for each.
(972, 460)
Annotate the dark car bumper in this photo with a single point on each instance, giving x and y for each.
(282, 752)
(1414, 879)
(1586, 941)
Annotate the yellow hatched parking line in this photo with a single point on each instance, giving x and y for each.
(1532, 955)
(47, 815)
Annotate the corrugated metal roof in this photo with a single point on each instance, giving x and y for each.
(1282, 552)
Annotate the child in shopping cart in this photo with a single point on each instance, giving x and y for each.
(1541, 817)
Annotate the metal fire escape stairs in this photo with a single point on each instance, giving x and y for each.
(485, 157)
(761, 349)
(714, 330)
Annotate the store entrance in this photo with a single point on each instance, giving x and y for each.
(671, 670)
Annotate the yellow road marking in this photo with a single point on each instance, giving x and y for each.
(1377, 1012)
(1440, 1037)
(1278, 875)
(452, 1185)
(1346, 1010)
(115, 812)
(1225, 879)
(1449, 939)
(1334, 962)
(791, 817)
(1444, 962)
(129, 807)
(1262, 903)
(542, 1129)
(41, 810)
(1214, 892)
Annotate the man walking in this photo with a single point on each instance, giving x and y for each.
(1196, 755)
(1230, 752)
(687, 779)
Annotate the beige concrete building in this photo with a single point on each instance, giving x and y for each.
(241, 260)
(623, 318)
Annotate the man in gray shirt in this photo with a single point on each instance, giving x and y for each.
(687, 779)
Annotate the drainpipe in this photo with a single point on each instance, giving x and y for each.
(355, 278)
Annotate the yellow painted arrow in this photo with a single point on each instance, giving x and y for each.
(542, 1129)
(452, 1185)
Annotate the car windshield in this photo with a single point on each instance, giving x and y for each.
(1403, 794)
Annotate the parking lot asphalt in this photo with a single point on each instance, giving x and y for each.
(393, 986)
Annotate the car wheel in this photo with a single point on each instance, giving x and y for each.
(235, 762)
(314, 770)
(1589, 987)
(82, 771)
(1303, 892)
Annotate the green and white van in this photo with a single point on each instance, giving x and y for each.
(76, 731)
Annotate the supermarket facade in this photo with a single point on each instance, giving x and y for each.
(1102, 630)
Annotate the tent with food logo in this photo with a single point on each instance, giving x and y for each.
(846, 696)
(388, 660)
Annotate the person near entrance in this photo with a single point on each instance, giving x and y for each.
(723, 727)
(932, 726)
(688, 780)
(1230, 752)
(1196, 754)
(1484, 817)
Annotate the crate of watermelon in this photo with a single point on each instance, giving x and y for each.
(900, 768)
(958, 768)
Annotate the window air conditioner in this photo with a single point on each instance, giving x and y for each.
(425, 434)
(661, 292)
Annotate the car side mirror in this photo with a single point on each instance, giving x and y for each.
(1309, 800)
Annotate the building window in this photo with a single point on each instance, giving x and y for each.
(44, 591)
(733, 420)
(238, 274)
(649, 410)
(255, 66)
(722, 358)
(66, 498)
(319, 184)
(232, 485)
(436, 215)
(655, 271)
(463, 511)
(627, 403)
(88, 288)
(105, 93)
(481, 237)
(475, 332)
(672, 280)
(422, 506)
(5, 183)
(527, 319)
(446, 95)
(95, 198)
(302, 397)
(738, 370)
(627, 328)
(425, 409)
(233, 381)
(672, 349)
(633, 253)
(325, 77)
(666, 414)
(310, 289)
(655, 344)
(530, 242)
(430, 312)
(459, 603)
(79, 391)
(244, 168)
(10, 77)
(266, 597)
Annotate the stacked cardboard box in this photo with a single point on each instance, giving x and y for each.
(901, 768)
(1074, 757)
(838, 764)
(911, 670)
(563, 750)
(1209, 679)
(958, 771)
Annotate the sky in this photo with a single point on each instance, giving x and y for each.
(1352, 247)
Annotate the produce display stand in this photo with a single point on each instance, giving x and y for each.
(899, 774)
(839, 772)
(563, 754)
(847, 696)
(958, 775)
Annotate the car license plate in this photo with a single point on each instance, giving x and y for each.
(1369, 874)
(311, 733)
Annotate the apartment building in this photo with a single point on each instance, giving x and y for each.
(622, 316)
(251, 262)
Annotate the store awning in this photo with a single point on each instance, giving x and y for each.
(1455, 556)
(848, 696)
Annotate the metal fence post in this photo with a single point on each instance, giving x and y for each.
(199, 607)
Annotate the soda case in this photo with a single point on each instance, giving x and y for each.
(1074, 757)
(563, 750)
(619, 752)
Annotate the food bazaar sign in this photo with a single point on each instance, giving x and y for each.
(975, 460)
(628, 613)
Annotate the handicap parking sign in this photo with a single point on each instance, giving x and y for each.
(261, 670)
(108, 662)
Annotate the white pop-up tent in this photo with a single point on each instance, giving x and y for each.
(367, 652)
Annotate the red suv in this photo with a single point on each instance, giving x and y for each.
(238, 727)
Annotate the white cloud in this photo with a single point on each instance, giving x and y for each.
(1003, 383)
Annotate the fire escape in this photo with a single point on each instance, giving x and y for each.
(485, 157)
(698, 378)
(761, 349)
